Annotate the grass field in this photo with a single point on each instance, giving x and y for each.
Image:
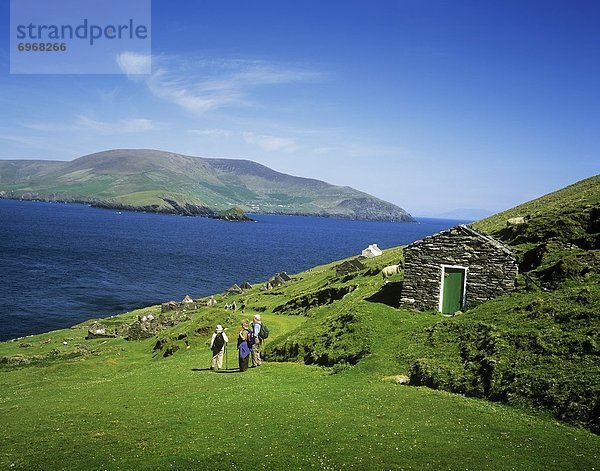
(71, 403)
(120, 409)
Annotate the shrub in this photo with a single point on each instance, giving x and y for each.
(325, 341)
(538, 349)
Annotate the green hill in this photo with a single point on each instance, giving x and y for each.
(558, 236)
(152, 180)
(578, 198)
(331, 394)
(538, 346)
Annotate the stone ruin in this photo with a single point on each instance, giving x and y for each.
(235, 289)
(187, 304)
(169, 306)
(349, 266)
(147, 325)
(276, 280)
(144, 327)
(211, 302)
(99, 331)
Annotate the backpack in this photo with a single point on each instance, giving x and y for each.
(264, 332)
(250, 339)
(218, 343)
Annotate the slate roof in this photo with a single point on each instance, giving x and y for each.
(467, 230)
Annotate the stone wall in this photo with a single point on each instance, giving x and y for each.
(174, 306)
(492, 267)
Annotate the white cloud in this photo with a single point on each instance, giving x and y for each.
(132, 63)
(212, 132)
(27, 141)
(200, 86)
(190, 96)
(271, 143)
(40, 126)
(124, 126)
(264, 141)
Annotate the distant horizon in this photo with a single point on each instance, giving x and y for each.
(432, 106)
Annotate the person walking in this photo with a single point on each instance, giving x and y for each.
(256, 325)
(218, 342)
(243, 347)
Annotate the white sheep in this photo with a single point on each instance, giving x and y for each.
(390, 270)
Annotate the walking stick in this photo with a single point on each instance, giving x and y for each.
(226, 361)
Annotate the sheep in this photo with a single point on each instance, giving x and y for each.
(390, 270)
(517, 221)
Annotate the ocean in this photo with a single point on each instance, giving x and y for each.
(61, 264)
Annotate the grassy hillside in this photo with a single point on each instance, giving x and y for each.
(147, 179)
(526, 368)
(578, 198)
(538, 346)
(72, 403)
(559, 236)
(539, 350)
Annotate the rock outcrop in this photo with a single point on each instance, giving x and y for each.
(233, 214)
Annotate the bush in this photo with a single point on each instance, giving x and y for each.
(334, 339)
(537, 349)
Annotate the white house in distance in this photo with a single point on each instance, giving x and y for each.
(371, 251)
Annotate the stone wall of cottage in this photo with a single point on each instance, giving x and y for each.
(491, 269)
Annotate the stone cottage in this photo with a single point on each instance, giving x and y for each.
(456, 269)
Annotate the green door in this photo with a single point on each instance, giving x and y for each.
(452, 292)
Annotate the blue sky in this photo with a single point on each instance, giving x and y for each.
(432, 105)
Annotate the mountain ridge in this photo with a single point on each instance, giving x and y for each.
(121, 178)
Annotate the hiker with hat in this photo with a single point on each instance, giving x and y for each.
(218, 342)
(242, 343)
(256, 326)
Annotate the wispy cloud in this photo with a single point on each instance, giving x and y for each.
(132, 63)
(271, 143)
(27, 141)
(263, 141)
(192, 97)
(212, 132)
(201, 85)
(38, 126)
(124, 126)
(88, 123)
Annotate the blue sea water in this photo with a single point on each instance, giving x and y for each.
(61, 264)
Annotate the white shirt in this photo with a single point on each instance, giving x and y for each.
(212, 340)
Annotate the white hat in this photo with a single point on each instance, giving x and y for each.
(257, 317)
(219, 329)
